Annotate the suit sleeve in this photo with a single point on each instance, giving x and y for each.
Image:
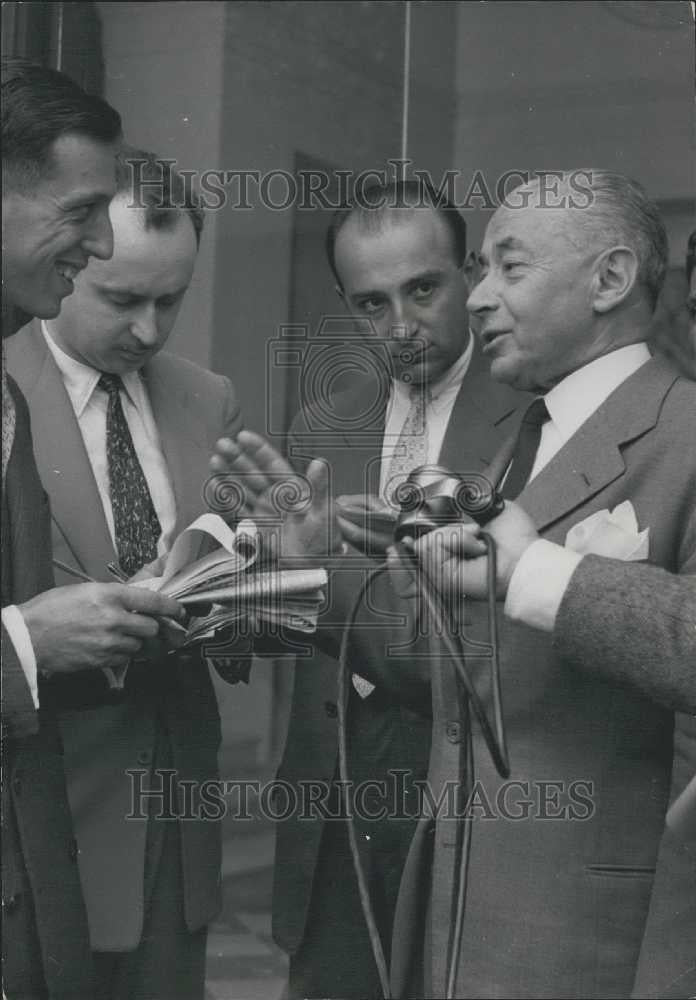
(19, 717)
(634, 622)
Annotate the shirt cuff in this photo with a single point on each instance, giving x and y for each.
(18, 632)
(538, 584)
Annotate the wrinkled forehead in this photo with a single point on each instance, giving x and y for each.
(531, 227)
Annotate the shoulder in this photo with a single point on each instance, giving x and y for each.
(359, 407)
(26, 352)
(188, 377)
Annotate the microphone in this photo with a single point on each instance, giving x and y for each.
(433, 496)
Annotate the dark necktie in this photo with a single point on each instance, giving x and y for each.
(136, 525)
(525, 450)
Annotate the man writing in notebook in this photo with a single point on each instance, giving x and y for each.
(58, 151)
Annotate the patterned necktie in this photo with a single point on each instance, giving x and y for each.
(9, 418)
(525, 449)
(136, 524)
(412, 447)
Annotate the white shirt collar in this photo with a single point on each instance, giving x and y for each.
(81, 380)
(447, 383)
(578, 395)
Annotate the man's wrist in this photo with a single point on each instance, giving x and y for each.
(538, 583)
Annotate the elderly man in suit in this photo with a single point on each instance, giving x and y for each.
(399, 260)
(122, 434)
(564, 307)
(556, 898)
(58, 148)
(630, 620)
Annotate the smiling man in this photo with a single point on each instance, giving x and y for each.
(123, 432)
(58, 172)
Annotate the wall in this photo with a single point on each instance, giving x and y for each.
(554, 85)
(163, 72)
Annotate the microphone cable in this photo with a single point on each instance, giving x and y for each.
(494, 738)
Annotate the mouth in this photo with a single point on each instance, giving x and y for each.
(68, 271)
(489, 337)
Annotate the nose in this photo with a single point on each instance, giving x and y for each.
(482, 297)
(404, 321)
(98, 240)
(144, 325)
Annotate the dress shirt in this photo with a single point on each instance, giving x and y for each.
(90, 404)
(578, 395)
(437, 414)
(541, 577)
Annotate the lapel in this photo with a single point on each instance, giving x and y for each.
(369, 400)
(183, 437)
(65, 468)
(592, 459)
(485, 415)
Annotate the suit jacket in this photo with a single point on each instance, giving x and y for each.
(624, 614)
(482, 417)
(558, 889)
(192, 408)
(45, 937)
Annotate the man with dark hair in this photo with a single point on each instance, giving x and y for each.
(58, 147)
(425, 398)
(108, 403)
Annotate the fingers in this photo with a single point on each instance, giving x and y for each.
(401, 573)
(352, 533)
(137, 626)
(318, 479)
(263, 455)
(150, 602)
(452, 539)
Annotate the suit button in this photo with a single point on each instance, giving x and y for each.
(453, 732)
(73, 850)
(331, 709)
(144, 757)
(10, 903)
(17, 785)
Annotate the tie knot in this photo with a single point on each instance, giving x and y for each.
(537, 413)
(110, 383)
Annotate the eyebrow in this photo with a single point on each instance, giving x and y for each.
(509, 243)
(430, 275)
(76, 199)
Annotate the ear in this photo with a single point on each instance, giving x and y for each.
(340, 293)
(614, 278)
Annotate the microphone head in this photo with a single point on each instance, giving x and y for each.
(432, 496)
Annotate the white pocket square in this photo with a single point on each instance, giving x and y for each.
(611, 533)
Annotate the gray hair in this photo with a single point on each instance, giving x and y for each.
(614, 210)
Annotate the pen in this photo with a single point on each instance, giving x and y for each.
(78, 574)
